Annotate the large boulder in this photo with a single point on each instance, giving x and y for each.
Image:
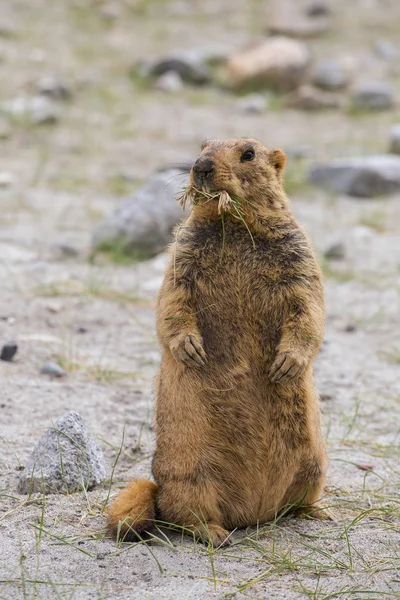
(65, 459)
(364, 176)
(142, 224)
(279, 63)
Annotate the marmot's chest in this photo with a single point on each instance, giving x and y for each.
(234, 258)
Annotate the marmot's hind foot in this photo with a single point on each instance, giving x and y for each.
(318, 511)
(211, 533)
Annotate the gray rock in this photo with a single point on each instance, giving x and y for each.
(54, 88)
(395, 139)
(39, 110)
(318, 9)
(8, 351)
(309, 98)
(279, 63)
(143, 223)
(253, 104)
(329, 74)
(373, 95)
(170, 82)
(66, 459)
(187, 65)
(52, 369)
(335, 252)
(363, 177)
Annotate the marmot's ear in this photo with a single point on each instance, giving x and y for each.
(278, 159)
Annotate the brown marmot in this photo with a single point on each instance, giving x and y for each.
(240, 319)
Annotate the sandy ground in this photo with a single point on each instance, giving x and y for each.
(97, 318)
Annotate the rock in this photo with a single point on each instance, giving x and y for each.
(318, 9)
(335, 252)
(373, 95)
(253, 104)
(54, 88)
(143, 223)
(329, 74)
(8, 351)
(278, 63)
(363, 177)
(52, 369)
(170, 82)
(308, 98)
(65, 459)
(6, 180)
(386, 50)
(395, 139)
(65, 250)
(299, 27)
(39, 110)
(187, 65)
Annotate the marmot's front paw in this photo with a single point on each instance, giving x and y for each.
(188, 350)
(286, 366)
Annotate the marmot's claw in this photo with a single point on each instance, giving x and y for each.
(286, 366)
(189, 351)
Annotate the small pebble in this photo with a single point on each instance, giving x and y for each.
(67, 250)
(81, 329)
(336, 251)
(52, 369)
(318, 9)
(8, 351)
(53, 88)
(325, 397)
(350, 328)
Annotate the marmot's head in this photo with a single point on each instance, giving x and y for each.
(243, 168)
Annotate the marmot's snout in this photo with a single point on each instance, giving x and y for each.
(203, 172)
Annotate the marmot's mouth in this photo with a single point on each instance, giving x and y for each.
(199, 196)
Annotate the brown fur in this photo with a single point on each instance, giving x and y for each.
(240, 319)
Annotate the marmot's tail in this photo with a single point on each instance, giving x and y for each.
(133, 510)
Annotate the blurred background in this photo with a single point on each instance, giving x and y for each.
(96, 95)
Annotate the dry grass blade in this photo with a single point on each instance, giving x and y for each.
(194, 195)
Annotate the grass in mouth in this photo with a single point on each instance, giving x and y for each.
(226, 204)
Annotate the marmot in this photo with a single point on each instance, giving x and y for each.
(240, 319)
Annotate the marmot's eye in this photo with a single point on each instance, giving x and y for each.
(248, 155)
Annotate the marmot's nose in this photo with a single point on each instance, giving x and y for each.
(203, 166)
